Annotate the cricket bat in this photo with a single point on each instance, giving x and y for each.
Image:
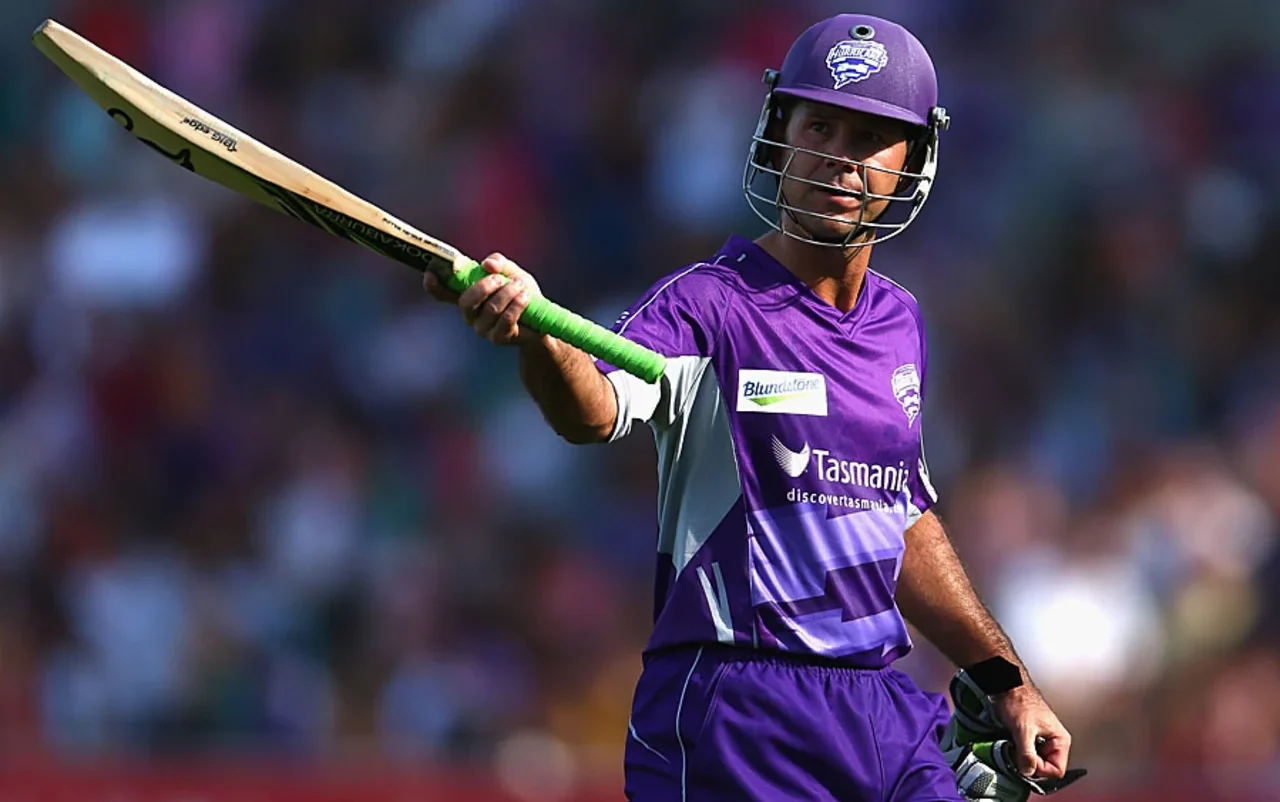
(196, 140)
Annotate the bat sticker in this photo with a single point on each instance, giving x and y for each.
(182, 158)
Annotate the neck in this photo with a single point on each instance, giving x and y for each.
(835, 275)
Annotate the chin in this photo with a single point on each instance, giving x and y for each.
(827, 229)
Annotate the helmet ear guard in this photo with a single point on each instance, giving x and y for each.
(770, 78)
(917, 152)
(759, 154)
(922, 151)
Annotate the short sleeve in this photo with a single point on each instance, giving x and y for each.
(680, 317)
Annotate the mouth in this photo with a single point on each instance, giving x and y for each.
(836, 189)
(841, 196)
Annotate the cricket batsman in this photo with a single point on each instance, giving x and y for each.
(796, 533)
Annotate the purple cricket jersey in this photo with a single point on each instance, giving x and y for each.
(789, 454)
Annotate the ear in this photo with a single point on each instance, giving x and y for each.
(917, 150)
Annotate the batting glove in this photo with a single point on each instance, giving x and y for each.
(979, 748)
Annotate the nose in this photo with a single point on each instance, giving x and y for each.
(848, 173)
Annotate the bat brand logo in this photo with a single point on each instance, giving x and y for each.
(398, 227)
(182, 158)
(348, 228)
(226, 141)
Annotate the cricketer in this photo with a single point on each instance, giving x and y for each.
(797, 536)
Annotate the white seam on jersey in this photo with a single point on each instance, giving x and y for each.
(717, 603)
(632, 729)
(661, 290)
(910, 294)
(724, 597)
(684, 761)
(923, 470)
(918, 314)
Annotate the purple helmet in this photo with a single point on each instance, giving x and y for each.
(864, 64)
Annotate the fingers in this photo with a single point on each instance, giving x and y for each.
(1040, 744)
(438, 289)
(501, 265)
(1054, 752)
(1025, 754)
(1041, 752)
(493, 306)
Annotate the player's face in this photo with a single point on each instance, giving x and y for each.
(855, 145)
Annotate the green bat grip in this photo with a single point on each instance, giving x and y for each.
(554, 320)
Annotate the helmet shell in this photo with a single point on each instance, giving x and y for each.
(862, 63)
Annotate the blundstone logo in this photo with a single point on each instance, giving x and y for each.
(782, 392)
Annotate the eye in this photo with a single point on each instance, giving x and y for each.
(872, 137)
(819, 126)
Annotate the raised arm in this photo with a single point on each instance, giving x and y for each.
(576, 400)
(583, 399)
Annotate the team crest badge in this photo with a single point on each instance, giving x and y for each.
(906, 388)
(851, 61)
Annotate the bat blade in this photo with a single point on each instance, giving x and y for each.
(200, 142)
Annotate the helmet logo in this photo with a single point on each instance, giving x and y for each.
(851, 62)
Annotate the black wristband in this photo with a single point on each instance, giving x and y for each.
(995, 675)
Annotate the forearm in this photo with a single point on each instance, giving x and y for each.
(576, 400)
(936, 596)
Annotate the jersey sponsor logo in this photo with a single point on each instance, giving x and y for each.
(833, 469)
(906, 388)
(781, 392)
(792, 463)
(851, 62)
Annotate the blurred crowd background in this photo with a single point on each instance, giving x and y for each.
(260, 498)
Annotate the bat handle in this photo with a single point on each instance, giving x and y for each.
(554, 320)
